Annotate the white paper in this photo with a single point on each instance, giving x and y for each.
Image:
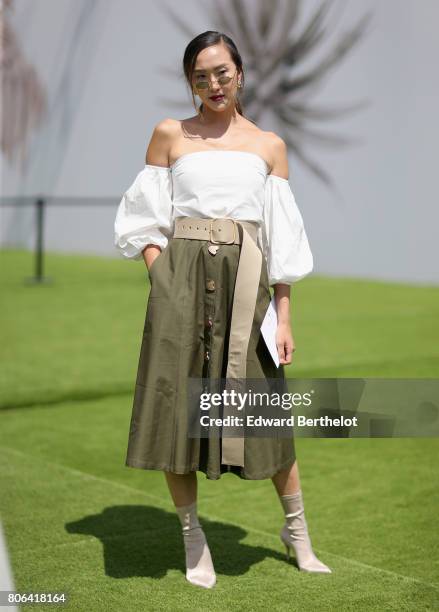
(268, 329)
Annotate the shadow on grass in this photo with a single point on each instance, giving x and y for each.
(147, 541)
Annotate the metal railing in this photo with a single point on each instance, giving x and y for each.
(40, 203)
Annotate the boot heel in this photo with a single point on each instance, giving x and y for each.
(287, 551)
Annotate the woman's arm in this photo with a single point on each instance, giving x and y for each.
(157, 155)
(284, 337)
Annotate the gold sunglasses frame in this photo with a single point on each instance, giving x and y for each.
(218, 80)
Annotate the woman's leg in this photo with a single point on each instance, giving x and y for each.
(199, 566)
(183, 487)
(294, 533)
(287, 481)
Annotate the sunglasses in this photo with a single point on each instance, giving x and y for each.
(221, 80)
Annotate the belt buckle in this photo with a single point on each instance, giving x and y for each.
(219, 241)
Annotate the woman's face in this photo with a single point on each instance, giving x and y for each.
(212, 63)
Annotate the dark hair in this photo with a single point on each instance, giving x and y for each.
(202, 41)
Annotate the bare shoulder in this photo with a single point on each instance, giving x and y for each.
(278, 153)
(161, 140)
(269, 146)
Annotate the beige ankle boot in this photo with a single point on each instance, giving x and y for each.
(295, 535)
(199, 566)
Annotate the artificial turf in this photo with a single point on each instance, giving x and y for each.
(77, 519)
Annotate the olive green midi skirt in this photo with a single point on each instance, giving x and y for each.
(185, 335)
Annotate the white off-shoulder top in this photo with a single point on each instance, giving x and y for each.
(216, 183)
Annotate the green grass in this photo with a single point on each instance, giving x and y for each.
(77, 519)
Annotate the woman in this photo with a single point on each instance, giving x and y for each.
(220, 167)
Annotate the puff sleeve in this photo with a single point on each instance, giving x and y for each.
(283, 238)
(144, 215)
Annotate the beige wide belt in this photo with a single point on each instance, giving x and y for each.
(225, 230)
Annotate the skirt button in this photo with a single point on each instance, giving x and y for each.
(207, 356)
(208, 322)
(210, 285)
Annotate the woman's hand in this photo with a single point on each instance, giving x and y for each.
(285, 342)
(150, 252)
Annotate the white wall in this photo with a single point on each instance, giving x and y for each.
(383, 222)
